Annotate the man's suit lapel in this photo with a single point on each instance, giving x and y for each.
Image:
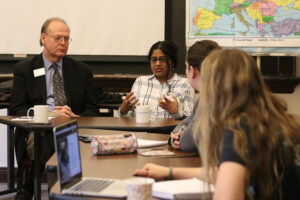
(40, 81)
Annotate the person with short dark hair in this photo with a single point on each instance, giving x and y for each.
(64, 84)
(182, 135)
(167, 94)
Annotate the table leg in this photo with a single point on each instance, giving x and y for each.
(10, 162)
(37, 165)
(10, 158)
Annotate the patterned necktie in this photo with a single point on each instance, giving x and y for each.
(58, 88)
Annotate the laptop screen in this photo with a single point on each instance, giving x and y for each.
(68, 154)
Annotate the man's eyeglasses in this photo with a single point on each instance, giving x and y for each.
(59, 39)
(160, 59)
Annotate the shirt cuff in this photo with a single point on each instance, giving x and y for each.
(122, 115)
(178, 114)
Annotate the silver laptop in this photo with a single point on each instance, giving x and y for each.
(70, 172)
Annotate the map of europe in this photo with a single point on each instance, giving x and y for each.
(245, 23)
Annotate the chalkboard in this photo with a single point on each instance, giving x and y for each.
(98, 27)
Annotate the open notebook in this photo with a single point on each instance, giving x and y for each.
(150, 143)
(70, 172)
(181, 189)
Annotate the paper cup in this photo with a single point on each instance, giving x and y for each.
(139, 188)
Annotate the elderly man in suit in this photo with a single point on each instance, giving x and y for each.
(65, 85)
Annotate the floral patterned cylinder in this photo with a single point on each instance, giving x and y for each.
(114, 144)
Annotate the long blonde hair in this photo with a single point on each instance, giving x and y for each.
(232, 90)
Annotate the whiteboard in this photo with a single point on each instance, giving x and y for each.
(98, 27)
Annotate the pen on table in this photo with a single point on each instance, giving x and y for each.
(180, 130)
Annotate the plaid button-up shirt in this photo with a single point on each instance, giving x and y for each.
(149, 90)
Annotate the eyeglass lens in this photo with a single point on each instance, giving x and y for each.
(60, 38)
(160, 59)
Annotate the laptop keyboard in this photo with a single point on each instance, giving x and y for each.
(92, 185)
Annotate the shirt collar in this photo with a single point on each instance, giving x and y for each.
(152, 77)
(47, 63)
(173, 78)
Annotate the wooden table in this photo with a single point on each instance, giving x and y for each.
(159, 125)
(121, 166)
(38, 130)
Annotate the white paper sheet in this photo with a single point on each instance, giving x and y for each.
(150, 143)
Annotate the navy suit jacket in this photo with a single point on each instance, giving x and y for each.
(28, 91)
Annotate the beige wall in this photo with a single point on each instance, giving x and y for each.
(293, 100)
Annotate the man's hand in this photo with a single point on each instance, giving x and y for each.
(65, 111)
(130, 102)
(169, 105)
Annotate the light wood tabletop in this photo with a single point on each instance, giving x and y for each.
(122, 166)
